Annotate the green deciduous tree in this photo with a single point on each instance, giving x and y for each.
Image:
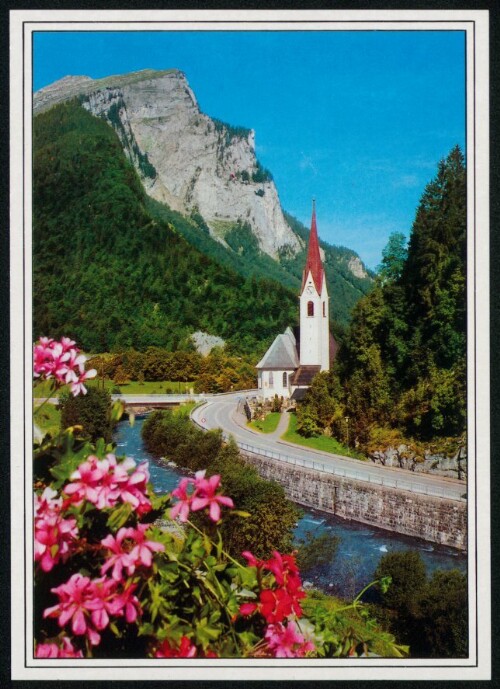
(393, 257)
(91, 411)
(444, 614)
(271, 517)
(428, 615)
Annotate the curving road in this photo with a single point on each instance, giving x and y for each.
(226, 412)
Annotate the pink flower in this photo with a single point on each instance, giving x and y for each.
(126, 604)
(85, 603)
(252, 560)
(121, 559)
(142, 552)
(286, 642)
(90, 474)
(248, 608)
(135, 490)
(62, 361)
(43, 360)
(131, 549)
(52, 650)
(47, 501)
(50, 359)
(104, 595)
(54, 535)
(204, 495)
(105, 482)
(182, 507)
(77, 381)
(68, 344)
(186, 649)
(88, 605)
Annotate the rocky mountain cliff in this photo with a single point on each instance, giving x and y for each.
(186, 159)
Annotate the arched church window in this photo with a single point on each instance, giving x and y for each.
(271, 379)
(324, 309)
(310, 308)
(285, 380)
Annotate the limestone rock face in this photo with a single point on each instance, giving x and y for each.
(356, 267)
(184, 158)
(204, 342)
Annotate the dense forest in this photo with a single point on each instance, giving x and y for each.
(245, 257)
(402, 368)
(218, 371)
(138, 274)
(110, 274)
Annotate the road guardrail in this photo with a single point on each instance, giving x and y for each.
(381, 480)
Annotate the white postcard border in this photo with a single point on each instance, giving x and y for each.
(475, 23)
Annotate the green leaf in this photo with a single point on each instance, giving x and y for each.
(101, 448)
(385, 582)
(146, 629)
(207, 545)
(119, 516)
(115, 630)
(206, 633)
(117, 410)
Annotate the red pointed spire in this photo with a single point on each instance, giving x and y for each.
(313, 262)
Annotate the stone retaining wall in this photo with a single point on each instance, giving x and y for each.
(434, 519)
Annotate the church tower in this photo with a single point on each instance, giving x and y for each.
(314, 311)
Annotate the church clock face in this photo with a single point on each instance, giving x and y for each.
(310, 289)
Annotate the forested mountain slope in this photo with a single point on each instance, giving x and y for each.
(110, 275)
(203, 176)
(402, 369)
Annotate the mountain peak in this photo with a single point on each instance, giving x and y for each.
(191, 162)
(73, 86)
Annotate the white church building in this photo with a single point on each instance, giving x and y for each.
(294, 358)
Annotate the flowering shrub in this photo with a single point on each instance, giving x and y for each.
(121, 572)
(62, 363)
(116, 577)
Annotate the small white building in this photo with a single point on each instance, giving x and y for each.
(277, 367)
(293, 359)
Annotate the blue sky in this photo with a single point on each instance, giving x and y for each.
(357, 120)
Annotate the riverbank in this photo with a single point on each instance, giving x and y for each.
(360, 547)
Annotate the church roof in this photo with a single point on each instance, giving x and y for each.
(313, 261)
(304, 375)
(282, 354)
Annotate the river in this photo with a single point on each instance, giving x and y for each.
(360, 547)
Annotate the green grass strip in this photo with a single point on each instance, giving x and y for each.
(42, 389)
(268, 425)
(323, 442)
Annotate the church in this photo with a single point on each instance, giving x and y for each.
(295, 356)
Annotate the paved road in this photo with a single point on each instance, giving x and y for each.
(226, 413)
(155, 399)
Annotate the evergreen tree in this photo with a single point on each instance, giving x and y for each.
(403, 360)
